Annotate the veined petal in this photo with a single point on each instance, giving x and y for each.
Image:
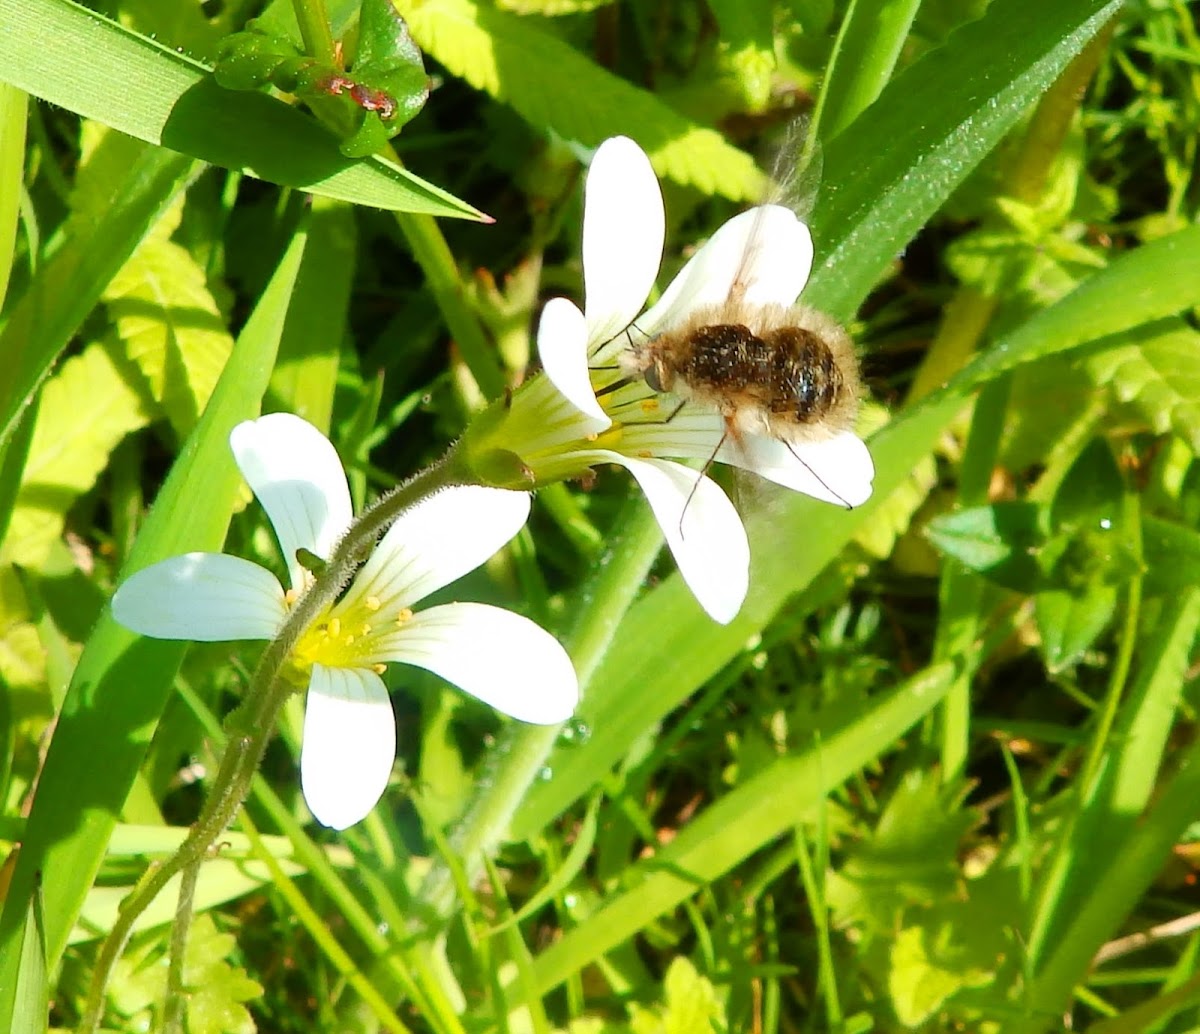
(562, 347)
(623, 232)
(296, 474)
(766, 251)
(349, 744)
(438, 540)
(499, 657)
(837, 469)
(205, 597)
(701, 527)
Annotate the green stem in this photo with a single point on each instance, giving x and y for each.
(433, 255)
(251, 724)
(519, 758)
(961, 593)
(184, 909)
(313, 20)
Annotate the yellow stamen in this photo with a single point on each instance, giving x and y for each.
(379, 669)
(334, 628)
(649, 405)
(404, 617)
(372, 603)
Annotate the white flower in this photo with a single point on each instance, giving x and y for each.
(583, 412)
(349, 742)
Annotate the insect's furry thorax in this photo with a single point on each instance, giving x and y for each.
(785, 371)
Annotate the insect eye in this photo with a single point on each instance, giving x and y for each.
(653, 379)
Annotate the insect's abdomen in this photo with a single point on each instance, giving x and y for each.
(789, 371)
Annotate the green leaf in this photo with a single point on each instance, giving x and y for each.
(868, 46)
(921, 978)
(1001, 541)
(911, 858)
(66, 289)
(690, 1005)
(1156, 369)
(105, 72)
(1172, 556)
(122, 681)
(553, 86)
(87, 407)
(1092, 559)
(170, 326)
(748, 35)
(32, 1013)
(999, 65)
(215, 988)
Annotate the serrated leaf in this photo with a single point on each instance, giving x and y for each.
(170, 327)
(555, 87)
(87, 408)
(690, 1005)
(214, 987)
(1157, 371)
(748, 34)
(921, 978)
(910, 858)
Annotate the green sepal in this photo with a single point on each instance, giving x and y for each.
(309, 560)
(501, 468)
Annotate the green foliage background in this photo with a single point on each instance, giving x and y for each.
(941, 771)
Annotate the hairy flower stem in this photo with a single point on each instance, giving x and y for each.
(251, 724)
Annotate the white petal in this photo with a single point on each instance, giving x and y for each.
(499, 657)
(702, 528)
(838, 469)
(349, 744)
(766, 252)
(205, 597)
(296, 474)
(438, 540)
(623, 230)
(562, 348)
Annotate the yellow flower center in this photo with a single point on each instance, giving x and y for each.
(349, 640)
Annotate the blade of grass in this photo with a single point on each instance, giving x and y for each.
(1112, 884)
(122, 681)
(865, 53)
(14, 111)
(1111, 814)
(786, 792)
(103, 71)
(877, 197)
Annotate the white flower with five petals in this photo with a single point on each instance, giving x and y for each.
(349, 737)
(586, 412)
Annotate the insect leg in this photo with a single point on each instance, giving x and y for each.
(816, 475)
(700, 477)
